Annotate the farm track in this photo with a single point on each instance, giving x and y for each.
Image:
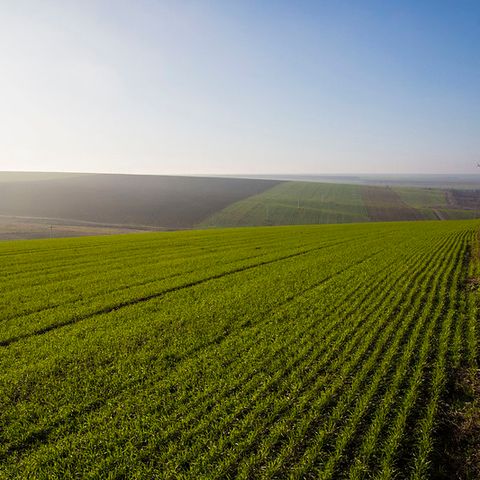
(322, 362)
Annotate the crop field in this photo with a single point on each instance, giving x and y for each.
(295, 203)
(423, 197)
(130, 200)
(14, 228)
(101, 203)
(384, 204)
(441, 204)
(281, 352)
(301, 203)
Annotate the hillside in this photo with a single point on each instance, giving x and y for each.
(446, 204)
(333, 351)
(426, 181)
(14, 228)
(291, 203)
(135, 200)
(55, 205)
(295, 203)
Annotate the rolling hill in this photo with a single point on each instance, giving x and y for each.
(291, 203)
(331, 351)
(36, 204)
(135, 200)
(295, 203)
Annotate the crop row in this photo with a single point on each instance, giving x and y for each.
(303, 352)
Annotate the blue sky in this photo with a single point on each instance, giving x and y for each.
(225, 87)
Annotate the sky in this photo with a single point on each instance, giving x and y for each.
(240, 86)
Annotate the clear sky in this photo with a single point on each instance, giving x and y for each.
(239, 86)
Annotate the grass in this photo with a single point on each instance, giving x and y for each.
(280, 352)
(301, 203)
(384, 204)
(294, 203)
(422, 197)
(171, 202)
(133, 200)
(14, 228)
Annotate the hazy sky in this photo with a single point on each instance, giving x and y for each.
(238, 86)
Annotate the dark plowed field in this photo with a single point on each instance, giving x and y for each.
(464, 199)
(159, 201)
(383, 204)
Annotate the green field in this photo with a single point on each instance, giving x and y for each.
(433, 203)
(295, 203)
(423, 197)
(160, 201)
(39, 205)
(282, 352)
(302, 203)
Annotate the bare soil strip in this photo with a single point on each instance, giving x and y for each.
(464, 199)
(384, 204)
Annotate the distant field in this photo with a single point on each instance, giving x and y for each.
(12, 228)
(432, 181)
(10, 177)
(293, 203)
(464, 199)
(132, 202)
(141, 200)
(335, 351)
(384, 204)
(423, 197)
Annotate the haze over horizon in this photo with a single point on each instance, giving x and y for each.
(224, 88)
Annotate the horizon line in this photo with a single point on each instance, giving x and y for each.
(310, 174)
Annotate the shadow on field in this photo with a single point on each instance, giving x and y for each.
(459, 433)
